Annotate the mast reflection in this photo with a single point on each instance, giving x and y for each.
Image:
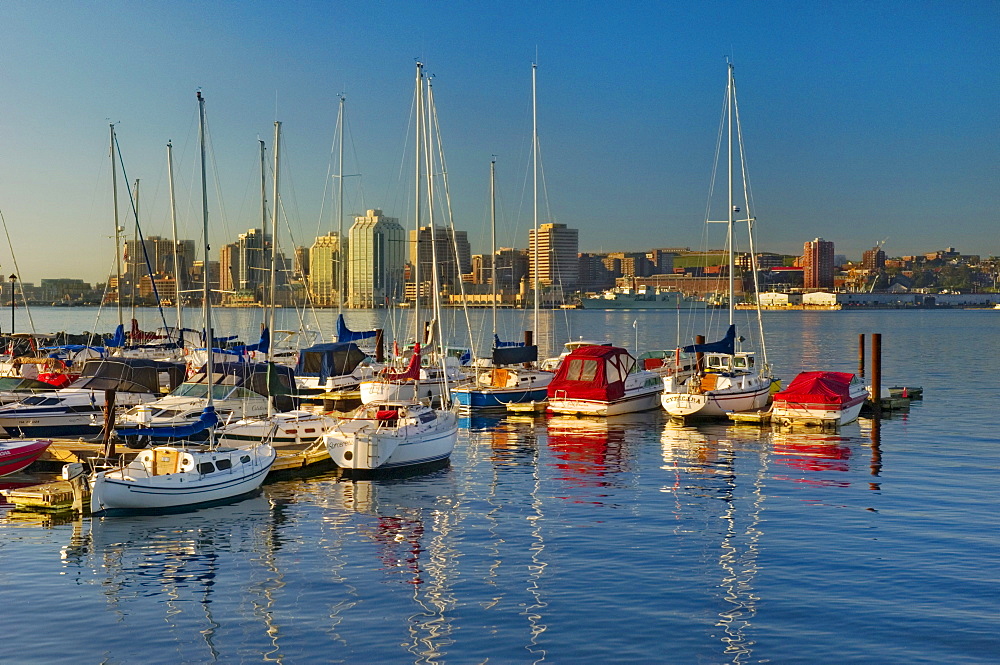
(704, 465)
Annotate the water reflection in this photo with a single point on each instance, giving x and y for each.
(703, 462)
(410, 523)
(590, 452)
(173, 561)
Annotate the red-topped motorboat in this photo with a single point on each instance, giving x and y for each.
(16, 454)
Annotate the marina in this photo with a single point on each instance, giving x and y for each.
(864, 543)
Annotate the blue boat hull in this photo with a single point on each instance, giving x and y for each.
(496, 399)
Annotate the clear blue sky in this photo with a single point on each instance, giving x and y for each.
(863, 120)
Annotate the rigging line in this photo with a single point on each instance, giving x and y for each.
(142, 243)
(20, 283)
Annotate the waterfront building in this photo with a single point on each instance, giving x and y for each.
(817, 264)
(873, 259)
(557, 256)
(454, 255)
(327, 269)
(594, 273)
(376, 257)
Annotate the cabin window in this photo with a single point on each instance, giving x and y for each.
(206, 467)
(581, 369)
(245, 459)
(41, 401)
(224, 464)
(739, 361)
(613, 371)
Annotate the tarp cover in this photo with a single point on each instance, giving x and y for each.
(128, 374)
(511, 355)
(817, 388)
(326, 360)
(256, 377)
(584, 374)
(345, 334)
(725, 345)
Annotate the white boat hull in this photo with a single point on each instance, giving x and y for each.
(136, 488)
(642, 401)
(785, 414)
(359, 444)
(717, 404)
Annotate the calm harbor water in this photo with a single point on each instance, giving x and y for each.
(625, 540)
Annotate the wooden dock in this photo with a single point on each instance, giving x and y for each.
(57, 496)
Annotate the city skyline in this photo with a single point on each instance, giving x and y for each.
(862, 122)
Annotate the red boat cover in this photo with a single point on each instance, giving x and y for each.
(412, 370)
(817, 388)
(592, 372)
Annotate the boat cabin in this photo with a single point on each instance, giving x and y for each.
(724, 363)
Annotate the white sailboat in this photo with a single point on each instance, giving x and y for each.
(391, 434)
(508, 379)
(728, 378)
(181, 476)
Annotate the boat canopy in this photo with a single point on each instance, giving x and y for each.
(129, 375)
(725, 345)
(326, 360)
(592, 373)
(262, 378)
(345, 334)
(817, 388)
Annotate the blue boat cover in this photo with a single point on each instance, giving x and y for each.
(119, 337)
(497, 344)
(345, 334)
(725, 345)
(243, 349)
(208, 419)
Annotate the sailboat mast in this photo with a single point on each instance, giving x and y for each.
(173, 228)
(118, 228)
(275, 208)
(534, 167)
(729, 241)
(493, 238)
(206, 307)
(341, 273)
(418, 123)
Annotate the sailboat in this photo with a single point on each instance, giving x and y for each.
(727, 377)
(183, 477)
(508, 380)
(390, 434)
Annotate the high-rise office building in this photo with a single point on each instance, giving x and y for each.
(450, 267)
(817, 264)
(556, 255)
(377, 254)
(327, 269)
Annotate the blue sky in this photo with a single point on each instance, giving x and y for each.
(862, 120)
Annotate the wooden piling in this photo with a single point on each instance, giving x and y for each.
(699, 356)
(877, 374)
(379, 345)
